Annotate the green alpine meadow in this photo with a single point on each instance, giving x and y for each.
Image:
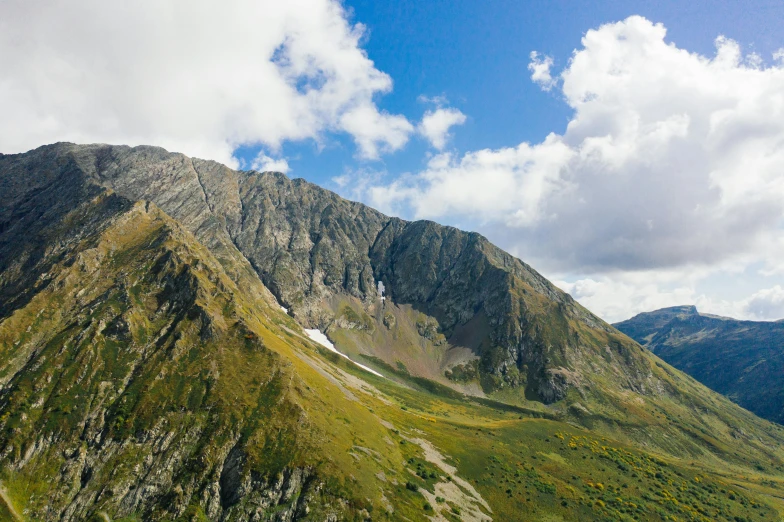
(181, 341)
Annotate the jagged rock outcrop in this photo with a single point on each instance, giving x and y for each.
(308, 244)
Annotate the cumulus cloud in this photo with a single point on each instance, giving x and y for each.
(192, 76)
(436, 123)
(669, 172)
(540, 71)
(624, 295)
(499, 186)
(375, 131)
(671, 158)
(766, 304)
(264, 163)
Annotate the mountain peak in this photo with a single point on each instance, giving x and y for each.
(149, 371)
(679, 310)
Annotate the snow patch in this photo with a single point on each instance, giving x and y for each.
(285, 310)
(319, 337)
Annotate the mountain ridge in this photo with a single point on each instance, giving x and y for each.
(140, 296)
(260, 212)
(732, 356)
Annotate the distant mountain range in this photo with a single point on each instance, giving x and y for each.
(744, 360)
(157, 362)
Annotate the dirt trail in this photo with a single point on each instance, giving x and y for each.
(457, 490)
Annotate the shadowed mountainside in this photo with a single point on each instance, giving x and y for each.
(743, 360)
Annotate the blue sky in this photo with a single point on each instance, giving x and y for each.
(476, 54)
(636, 159)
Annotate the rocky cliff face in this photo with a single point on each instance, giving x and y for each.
(308, 245)
(744, 360)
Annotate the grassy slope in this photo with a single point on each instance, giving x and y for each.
(141, 356)
(529, 468)
(616, 387)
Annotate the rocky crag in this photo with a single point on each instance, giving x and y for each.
(309, 245)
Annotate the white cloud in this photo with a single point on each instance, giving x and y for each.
(354, 184)
(670, 159)
(620, 296)
(341, 181)
(191, 76)
(540, 71)
(375, 131)
(505, 185)
(435, 125)
(626, 295)
(438, 100)
(766, 304)
(264, 163)
(667, 178)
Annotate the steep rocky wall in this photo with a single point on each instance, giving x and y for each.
(307, 244)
